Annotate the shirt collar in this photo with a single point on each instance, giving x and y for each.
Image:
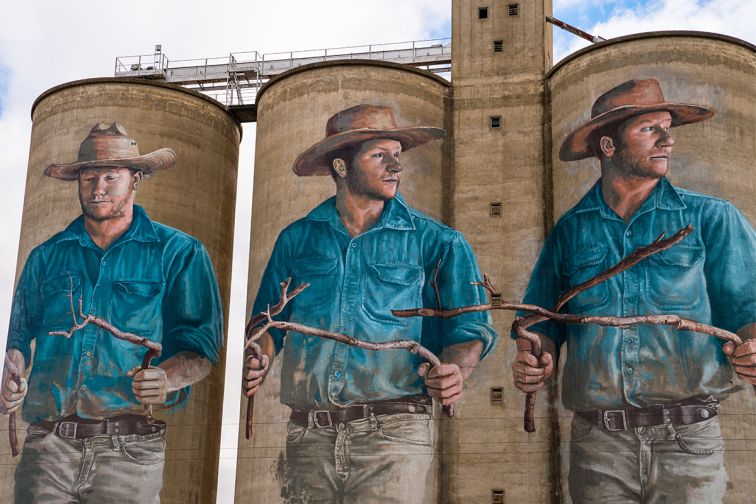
(665, 196)
(141, 229)
(396, 215)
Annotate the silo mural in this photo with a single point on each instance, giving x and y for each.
(117, 318)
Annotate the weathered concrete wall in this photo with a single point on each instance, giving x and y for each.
(196, 196)
(291, 116)
(714, 157)
(485, 447)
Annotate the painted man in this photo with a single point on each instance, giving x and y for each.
(360, 428)
(646, 398)
(89, 439)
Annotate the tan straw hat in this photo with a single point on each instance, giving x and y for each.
(629, 99)
(111, 146)
(356, 125)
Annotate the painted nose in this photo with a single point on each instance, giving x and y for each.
(665, 140)
(394, 166)
(98, 187)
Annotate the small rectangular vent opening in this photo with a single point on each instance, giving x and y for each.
(497, 393)
(497, 496)
(495, 121)
(482, 12)
(498, 45)
(514, 9)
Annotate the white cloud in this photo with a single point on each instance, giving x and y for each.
(730, 17)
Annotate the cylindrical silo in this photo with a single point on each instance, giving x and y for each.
(292, 111)
(714, 157)
(196, 196)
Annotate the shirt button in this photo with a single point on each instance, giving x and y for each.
(84, 387)
(630, 370)
(353, 245)
(88, 354)
(337, 373)
(104, 263)
(346, 308)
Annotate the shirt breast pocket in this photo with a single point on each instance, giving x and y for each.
(391, 286)
(60, 295)
(675, 278)
(137, 305)
(583, 265)
(320, 273)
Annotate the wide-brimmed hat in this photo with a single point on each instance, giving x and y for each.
(354, 126)
(111, 146)
(629, 99)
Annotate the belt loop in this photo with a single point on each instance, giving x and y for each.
(115, 442)
(373, 420)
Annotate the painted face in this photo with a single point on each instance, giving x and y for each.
(375, 170)
(646, 145)
(105, 193)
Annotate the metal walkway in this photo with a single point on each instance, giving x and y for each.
(235, 79)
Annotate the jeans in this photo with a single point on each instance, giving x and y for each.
(380, 459)
(675, 464)
(96, 470)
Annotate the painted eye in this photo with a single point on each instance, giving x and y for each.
(378, 155)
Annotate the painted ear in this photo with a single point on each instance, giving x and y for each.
(607, 146)
(339, 167)
(136, 178)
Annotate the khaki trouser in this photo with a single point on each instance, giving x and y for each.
(381, 459)
(679, 464)
(96, 470)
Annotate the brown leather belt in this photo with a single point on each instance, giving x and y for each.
(74, 427)
(330, 418)
(687, 413)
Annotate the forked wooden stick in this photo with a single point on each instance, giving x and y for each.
(254, 331)
(540, 314)
(15, 375)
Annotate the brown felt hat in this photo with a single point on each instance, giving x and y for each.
(629, 99)
(111, 146)
(356, 125)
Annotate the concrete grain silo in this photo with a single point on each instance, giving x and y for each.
(714, 157)
(196, 196)
(292, 111)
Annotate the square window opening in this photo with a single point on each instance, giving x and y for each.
(497, 393)
(495, 121)
(498, 45)
(513, 9)
(482, 12)
(497, 496)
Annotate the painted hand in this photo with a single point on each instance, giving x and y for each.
(13, 393)
(150, 386)
(254, 373)
(444, 382)
(530, 373)
(743, 358)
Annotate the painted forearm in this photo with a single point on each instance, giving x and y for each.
(465, 355)
(184, 369)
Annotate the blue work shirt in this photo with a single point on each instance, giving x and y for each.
(354, 285)
(154, 281)
(709, 277)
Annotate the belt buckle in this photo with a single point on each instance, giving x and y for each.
(610, 420)
(316, 415)
(67, 430)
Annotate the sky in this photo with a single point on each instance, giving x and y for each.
(49, 43)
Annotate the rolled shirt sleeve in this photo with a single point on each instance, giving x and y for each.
(458, 267)
(26, 309)
(730, 267)
(191, 306)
